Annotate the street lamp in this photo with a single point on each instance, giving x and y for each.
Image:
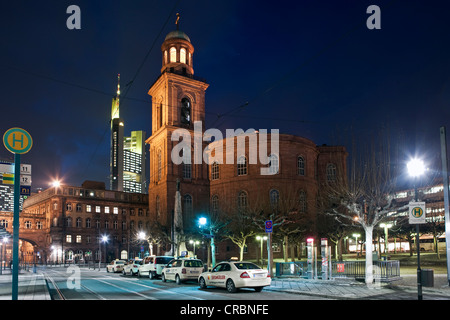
(104, 239)
(386, 226)
(415, 169)
(203, 222)
(194, 242)
(261, 238)
(356, 236)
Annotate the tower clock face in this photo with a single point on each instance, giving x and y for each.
(185, 111)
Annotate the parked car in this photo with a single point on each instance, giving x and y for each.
(115, 266)
(153, 265)
(233, 275)
(132, 267)
(182, 269)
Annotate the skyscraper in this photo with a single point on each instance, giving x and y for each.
(127, 160)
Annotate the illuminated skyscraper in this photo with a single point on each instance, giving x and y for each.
(127, 162)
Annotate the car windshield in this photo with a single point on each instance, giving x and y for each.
(163, 260)
(246, 265)
(120, 262)
(193, 263)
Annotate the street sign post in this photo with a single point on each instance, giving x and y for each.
(17, 141)
(417, 212)
(269, 226)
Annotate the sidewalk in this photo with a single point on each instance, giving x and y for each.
(32, 286)
(339, 289)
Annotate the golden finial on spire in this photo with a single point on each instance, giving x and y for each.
(177, 21)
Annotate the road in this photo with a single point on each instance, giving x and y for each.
(88, 284)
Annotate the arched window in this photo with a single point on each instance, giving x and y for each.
(300, 166)
(331, 172)
(185, 111)
(242, 166)
(159, 166)
(4, 223)
(88, 222)
(173, 54)
(78, 222)
(274, 196)
(302, 202)
(215, 204)
(183, 55)
(187, 204)
(215, 171)
(274, 165)
(187, 167)
(242, 200)
(157, 205)
(27, 224)
(165, 57)
(69, 222)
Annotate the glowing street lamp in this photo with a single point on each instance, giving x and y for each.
(261, 238)
(356, 236)
(194, 242)
(386, 226)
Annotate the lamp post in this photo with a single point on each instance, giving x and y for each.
(103, 239)
(356, 236)
(194, 242)
(261, 238)
(386, 226)
(415, 169)
(203, 222)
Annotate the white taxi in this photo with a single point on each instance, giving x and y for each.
(182, 269)
(115, 266)
(132, 267)
(233, 275)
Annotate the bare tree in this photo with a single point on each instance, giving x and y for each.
(367, 197)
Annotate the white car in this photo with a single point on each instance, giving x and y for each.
(234, 275)
(152, 266)
(132, 267)
(182, 270)
(115, 266)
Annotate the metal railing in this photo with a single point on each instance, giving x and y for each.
(383, 271)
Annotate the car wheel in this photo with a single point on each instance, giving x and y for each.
(150, 275)
(230, 286)
(177, 279)
(124, 273)
(163, 278)
(258, 289)
(202, 283)
(138, 274)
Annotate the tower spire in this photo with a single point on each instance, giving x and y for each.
(115, 101)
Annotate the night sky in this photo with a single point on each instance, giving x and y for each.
(309, 68)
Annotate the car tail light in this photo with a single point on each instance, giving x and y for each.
(245, 275)
(268, 275)
(183, 271)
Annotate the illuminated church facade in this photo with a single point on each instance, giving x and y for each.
(208, 189)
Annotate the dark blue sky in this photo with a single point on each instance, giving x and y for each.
(309, 68)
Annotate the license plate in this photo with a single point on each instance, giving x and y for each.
(196, 272)
(259, 275)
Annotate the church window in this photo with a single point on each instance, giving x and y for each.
(274, 198)
(273, 164)
(331, 172)
(302, 202)
(187, 203)
(183, 55)
(215, 171)
(300, 166)
(173, 54)
(159, 163)
(242, 200)
(185, 111)
(215, 204)
(242, 166)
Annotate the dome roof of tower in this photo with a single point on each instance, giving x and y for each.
(177, 34)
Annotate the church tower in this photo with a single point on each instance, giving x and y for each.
(178, 101)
